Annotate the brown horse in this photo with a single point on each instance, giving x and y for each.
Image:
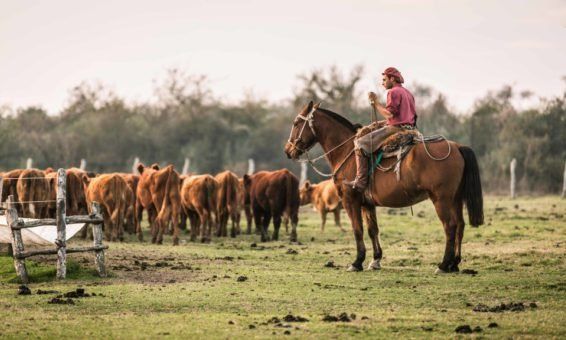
(448, 183)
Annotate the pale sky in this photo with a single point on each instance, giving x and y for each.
(461, 48)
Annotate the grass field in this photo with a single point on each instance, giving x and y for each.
(197, 290)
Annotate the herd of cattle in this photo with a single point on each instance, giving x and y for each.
(169, 198)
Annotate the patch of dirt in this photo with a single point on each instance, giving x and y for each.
(42, 292)
(511, 307)
(330, 264)
(291, 251)
(469, 272)
(61, 301)
(294, 318)
(343, 317)
(24, 290)
(493, 325)
(242, 278)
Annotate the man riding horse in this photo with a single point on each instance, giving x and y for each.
(399, 113)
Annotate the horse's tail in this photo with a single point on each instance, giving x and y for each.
(471, 186)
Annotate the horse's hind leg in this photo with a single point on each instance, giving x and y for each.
(370, 219)
(447, 212)
(459, 236)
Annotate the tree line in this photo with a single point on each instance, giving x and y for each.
(186, 119)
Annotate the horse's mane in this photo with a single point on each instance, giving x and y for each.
(341, 119)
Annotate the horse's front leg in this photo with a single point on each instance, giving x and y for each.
(353, 206)
(370, 218)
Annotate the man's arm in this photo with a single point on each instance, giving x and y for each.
(384, 111)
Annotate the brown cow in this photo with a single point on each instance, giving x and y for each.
(198, 197)
(273, 193)
(130, 224)
(33, 191)
(110, 190)
(227, 203)
(158, 193)
(324, 199)
(10, 185)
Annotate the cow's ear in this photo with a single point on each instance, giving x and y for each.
(155, 166)
(48, 170)
(141, 168)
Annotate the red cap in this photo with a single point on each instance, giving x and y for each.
(393, 72)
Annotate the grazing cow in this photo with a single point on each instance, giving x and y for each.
(33, 191)
(227, 203)
(158, 193)
(198, 197)
(110, 190)
(324, 199)
(273, 194)
(130, 224)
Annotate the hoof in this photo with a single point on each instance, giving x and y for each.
(440, 271)
(353, 268)
(375, 265)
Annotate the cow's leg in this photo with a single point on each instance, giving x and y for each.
(265, 226)
(276, 225)
(193, 219)
(294, 222)
(175, 212)
(337, 220)
(152, 217)
(370, 218)
(323, 213)
(137, 220)
(249, 219)
(235, 228)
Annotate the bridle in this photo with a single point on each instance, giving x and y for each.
(309, 119)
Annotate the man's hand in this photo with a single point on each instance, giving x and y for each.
(372, 96)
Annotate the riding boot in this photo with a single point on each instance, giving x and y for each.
(361, 181)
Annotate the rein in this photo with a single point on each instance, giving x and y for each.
(309, 119)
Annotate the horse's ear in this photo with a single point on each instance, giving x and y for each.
(307, 184)
(155, 166)
(141, 168)
(309, 106)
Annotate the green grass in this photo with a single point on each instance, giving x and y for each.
(519, 255)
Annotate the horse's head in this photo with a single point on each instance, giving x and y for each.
(302, 136)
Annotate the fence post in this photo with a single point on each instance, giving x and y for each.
(17, 242)
(83, 164)
(61, 225)
(186, 166)
(29, 163)
(563, 184)
(135, 166)
(251, 166)
(304, 169)
(97, 239)
(513, 165)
